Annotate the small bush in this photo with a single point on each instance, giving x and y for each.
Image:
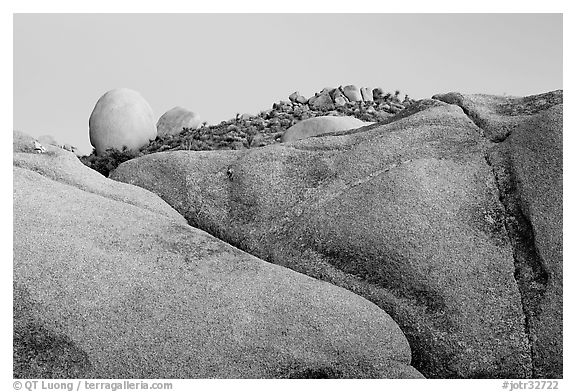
(108, 161)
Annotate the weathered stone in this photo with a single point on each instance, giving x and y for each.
(38, 147)
(528, 167)
(340, 101)
(321, 102)
(352, 93)
(121, 118)
(71, 148)
(366, 94)
(301, 99)
(409, 215)
(406, 214)
(292, 97)
(321, 125)
(110, 282)
(175, 120)
(497, 116)
(378, 93)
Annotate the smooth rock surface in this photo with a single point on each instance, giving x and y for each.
(121, 118)
(406, 214)
(352, 93)
(110, 282)
(175, 120)
(320, 125)
(498, 116)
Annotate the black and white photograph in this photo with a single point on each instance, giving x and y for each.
(286, 195)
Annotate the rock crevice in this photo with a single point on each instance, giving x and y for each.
(398, 213)
(530, 272)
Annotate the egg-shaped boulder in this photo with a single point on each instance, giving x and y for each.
(175, 120)
(321, 125)
(121, 118)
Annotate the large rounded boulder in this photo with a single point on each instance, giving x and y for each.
(121, 119)
(110, 282)
(175, 120)
(321, 125)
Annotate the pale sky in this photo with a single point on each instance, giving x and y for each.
(222, 64)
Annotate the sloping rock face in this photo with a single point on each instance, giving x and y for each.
(110, 282)
(50, 140)
(319, 125)
(528, 167)
(121, 118)
(175, 120)
(498, 116)
(406, 213)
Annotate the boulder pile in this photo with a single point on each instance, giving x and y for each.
(267, 127)
(247, 131)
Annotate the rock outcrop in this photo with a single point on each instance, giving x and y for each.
(321, 102)
(175, 120)
(528, 168)
(51, 141)
(264, 128)
(498, 116)
(121, 119)
(409, 214)
(321, 125)
(367, 95)
(352, 93)
(270, 125)
(110, 282)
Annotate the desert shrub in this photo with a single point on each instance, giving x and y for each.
(108, 161)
